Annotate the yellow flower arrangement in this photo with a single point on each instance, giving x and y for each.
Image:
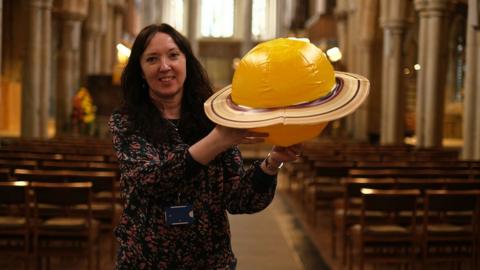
(83, 109)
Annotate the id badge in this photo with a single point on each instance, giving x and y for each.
(179, 215)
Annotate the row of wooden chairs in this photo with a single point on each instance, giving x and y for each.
(324, 189)
(106, 200)
(68, 162)
(346, 211)
(377, 153)
(389, 230)
(56, 156)
(380, 169)
(326, 195)
(72, 146)
(33, 234)
(8, 166)
(328, 174)
(315, 181)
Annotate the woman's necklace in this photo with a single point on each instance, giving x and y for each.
(173, 122)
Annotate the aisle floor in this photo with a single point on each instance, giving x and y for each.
(274, 239)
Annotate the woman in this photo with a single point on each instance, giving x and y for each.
(179, 172)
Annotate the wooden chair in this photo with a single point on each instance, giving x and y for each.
(30, 156)
(78, 165)
(12, 164)
(73, 157)
(15, 220)
(4, 174)
(71, 233)
(347, 210)
(323, 187)
(105, 206)
(387, 237)
(450, 227)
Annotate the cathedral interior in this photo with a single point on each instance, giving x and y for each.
(61, 63)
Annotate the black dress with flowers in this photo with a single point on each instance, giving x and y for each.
(154, 177)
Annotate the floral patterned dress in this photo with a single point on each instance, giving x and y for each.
(154, 177)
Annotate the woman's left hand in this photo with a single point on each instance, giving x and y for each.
(279, 155)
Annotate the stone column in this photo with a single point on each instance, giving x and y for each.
(71, 15)
(471, 121)
(476, 153)
(341, 16)
(1, 34)
(393, 98)
(345, 13)
(46, 68)
(3, 122)
(193, 9)
(94, 28)
(353, 26)
(431, 77)
(421, 7)
(36, 90)
(435, 74)
(108, 50)
(246, 16)
(67, 84)
(367, 17)
(119, 11)
(149, 12)
(281, 28)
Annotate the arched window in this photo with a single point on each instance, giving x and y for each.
(217, 17)
(264, 19)
(173, 14)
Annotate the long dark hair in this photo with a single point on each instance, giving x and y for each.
(143, 114)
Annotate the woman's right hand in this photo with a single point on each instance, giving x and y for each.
(233, 136)
(220, 139)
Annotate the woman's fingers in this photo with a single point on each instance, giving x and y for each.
(289, 153)
(296, 148)
(251, 137)
(251, 140)
(248, 133)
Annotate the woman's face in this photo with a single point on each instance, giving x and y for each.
(164, 68)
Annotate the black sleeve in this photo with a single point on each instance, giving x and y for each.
(262, 182)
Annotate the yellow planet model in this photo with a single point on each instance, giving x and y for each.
(289, 89)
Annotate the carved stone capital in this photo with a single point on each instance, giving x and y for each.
(71, 10)
(341, 15)
(42, 4)
(96, 21)
(421, 5)
(119, 6)
(438, 5)
(432, 7)
(395, 25)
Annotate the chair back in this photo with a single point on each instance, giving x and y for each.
(66, 194)
(451, 226)
(391, 203)
(353, 186)
(15, 219)
(451, 200)
(389, 200)
(14, 192)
